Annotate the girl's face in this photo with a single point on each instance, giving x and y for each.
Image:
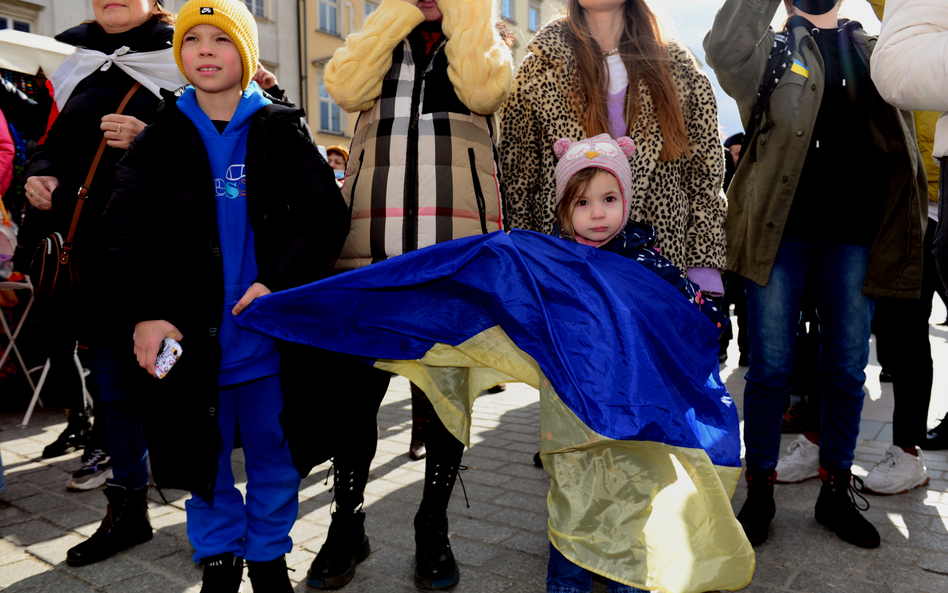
(118, 16)
(602, 5)
(598, 213)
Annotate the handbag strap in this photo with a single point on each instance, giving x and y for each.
(84, 188)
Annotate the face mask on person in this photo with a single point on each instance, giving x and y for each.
(815, 6)
(339, 174)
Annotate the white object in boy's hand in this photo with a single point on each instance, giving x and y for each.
(168, 353)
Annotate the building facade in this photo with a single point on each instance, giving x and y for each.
(277, 24)
(329, 22)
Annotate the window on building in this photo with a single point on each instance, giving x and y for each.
(256, 7)
(329, 16)
(534, 18)
(15, 24)
(506, 9)
(330, 116)
(369, 9)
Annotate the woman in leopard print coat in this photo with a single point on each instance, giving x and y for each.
(679, 194)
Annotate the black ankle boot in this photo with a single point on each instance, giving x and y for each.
(72, 438)
(223, 574)
(346, 543)
(270, 577)
(435, 567)
(759, 508)
(126, 524)
(836, 508)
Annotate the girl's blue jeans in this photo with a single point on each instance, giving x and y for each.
(562, 576)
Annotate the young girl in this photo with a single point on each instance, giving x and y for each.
(593, 187)
(593, 190)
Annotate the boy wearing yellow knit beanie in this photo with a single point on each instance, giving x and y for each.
(248, 206)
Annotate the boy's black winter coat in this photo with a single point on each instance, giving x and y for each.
(162, 224)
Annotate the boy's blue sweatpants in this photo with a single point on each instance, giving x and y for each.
(258, 530)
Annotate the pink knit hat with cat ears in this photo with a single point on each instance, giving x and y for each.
(601, 152)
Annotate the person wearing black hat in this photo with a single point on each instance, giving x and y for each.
(820, 139)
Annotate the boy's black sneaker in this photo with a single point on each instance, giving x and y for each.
(72, 438)
(270, 577)
(836, 508)
(759, 508)
(223, 574)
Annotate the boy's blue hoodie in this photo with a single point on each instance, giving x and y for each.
(245, 355)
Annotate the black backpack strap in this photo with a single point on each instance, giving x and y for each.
(777, 65)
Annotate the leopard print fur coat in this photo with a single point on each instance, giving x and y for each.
(682, 199)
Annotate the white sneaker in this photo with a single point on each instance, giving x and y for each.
(898, 472)
(801, 462)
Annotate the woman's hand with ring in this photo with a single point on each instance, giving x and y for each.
(40, 192)
(120, 130)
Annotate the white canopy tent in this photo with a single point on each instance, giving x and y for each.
(27, 53)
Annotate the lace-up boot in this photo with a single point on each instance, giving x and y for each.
(759, 508)
(223, 574)
(435, 567)
(125, 524)
(346, 543)
(270, 576)
(836, 508)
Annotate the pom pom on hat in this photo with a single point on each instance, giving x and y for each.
(231, 17)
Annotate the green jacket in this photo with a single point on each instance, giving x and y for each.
(759, 198)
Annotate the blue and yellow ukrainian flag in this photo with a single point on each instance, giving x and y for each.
(639, 436)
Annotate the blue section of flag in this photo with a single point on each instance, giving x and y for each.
(625, 351)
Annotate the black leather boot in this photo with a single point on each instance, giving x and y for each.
(125, 524)
(759, 508)
(421, 411)
(72, 438)
(223, 574)
(836, 508)
(435, 567)
(270, 577)
(346, 543)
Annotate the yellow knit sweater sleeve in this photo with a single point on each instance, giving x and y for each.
(355, 72)
(479, 65)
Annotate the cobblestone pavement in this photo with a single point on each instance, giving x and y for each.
(500, 541)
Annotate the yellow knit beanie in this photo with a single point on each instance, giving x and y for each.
(231, 17)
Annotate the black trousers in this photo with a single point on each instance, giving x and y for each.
(903, 345)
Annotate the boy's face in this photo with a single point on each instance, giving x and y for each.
(598, 213)
(211, 60)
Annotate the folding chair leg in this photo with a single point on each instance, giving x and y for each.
(12, 344)
(86, 396)
(36, 394)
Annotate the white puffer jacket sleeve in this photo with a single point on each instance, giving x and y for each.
(910, 62)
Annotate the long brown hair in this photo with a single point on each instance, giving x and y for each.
(643, 45)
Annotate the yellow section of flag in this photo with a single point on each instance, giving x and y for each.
(643, 513)
(800, 69)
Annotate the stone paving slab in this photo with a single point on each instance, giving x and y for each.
(500, 539)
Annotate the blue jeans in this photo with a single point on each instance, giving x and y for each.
(562, 576)
(120, 379)
(838, 271)
(258, 530)
(3, 481)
